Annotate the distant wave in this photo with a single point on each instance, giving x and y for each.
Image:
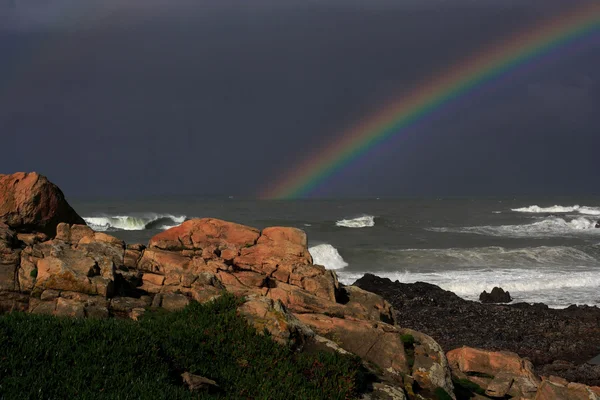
(492, 257)
(554, 287)
(365, 221)
(327, 256)
(134, 223)
(559, 209)
(549, 227)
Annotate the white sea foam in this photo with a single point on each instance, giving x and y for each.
(134, 223)
(554, 287)
(549, 227)
(365, 221)
(559, 209)
(327, 256)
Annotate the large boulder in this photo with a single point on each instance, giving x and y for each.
(554, 389)
(206, 233)
(31, 203)
(376, 342)
(500, 373)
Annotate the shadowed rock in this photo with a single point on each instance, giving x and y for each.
(31, 203)
(498, 295)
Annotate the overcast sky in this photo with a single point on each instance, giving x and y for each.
(151, 97)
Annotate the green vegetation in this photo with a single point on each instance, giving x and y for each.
(50, 358)
(409, 348)
(33, 273)
(408, 339)
(441, 394)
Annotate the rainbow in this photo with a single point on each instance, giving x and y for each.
(460, 80)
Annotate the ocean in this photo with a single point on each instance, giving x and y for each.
(541, 250)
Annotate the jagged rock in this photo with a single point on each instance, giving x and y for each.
(466, 362)
(571, 391)
(497, 295)
(31, 203)
(198, 234)
(367, 305)
(264, 313)
(376, 342)
(430, 369)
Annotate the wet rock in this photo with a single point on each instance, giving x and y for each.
(536, 331)
(497, 295)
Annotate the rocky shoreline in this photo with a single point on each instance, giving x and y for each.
(52, 263)
(557, 341)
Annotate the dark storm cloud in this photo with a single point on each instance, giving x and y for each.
(219, 97)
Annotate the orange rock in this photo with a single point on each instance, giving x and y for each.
(285, 328)
(31, 203)
(251, 279)
(197, 234)
(376, 342)
(70, 274)
(554, 391)
(430, 368)
(470, 360)
(159, 261)
(154, 279)
(367, 305)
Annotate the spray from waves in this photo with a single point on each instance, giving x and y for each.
(554, 287)
(550, 227)
(559, 209)
(327, 256)
(365, 221)
(134, 223)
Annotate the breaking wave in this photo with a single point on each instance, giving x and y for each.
(554, 287)
(365, 221)
(327, 256)
(134, 223)
(549, 227)
(559, 209)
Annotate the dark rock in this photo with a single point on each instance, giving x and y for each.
(498, 295)
(535, 331)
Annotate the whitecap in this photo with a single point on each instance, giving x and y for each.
(365, 221)
(327, 256)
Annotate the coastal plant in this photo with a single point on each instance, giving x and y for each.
(50, 357)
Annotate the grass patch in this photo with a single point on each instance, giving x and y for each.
(49, 357)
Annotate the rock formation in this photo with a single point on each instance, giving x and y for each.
(51, 263)
(497, 295)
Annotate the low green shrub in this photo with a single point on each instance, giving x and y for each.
(441, 394)
(50, 358)
(408, 339)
